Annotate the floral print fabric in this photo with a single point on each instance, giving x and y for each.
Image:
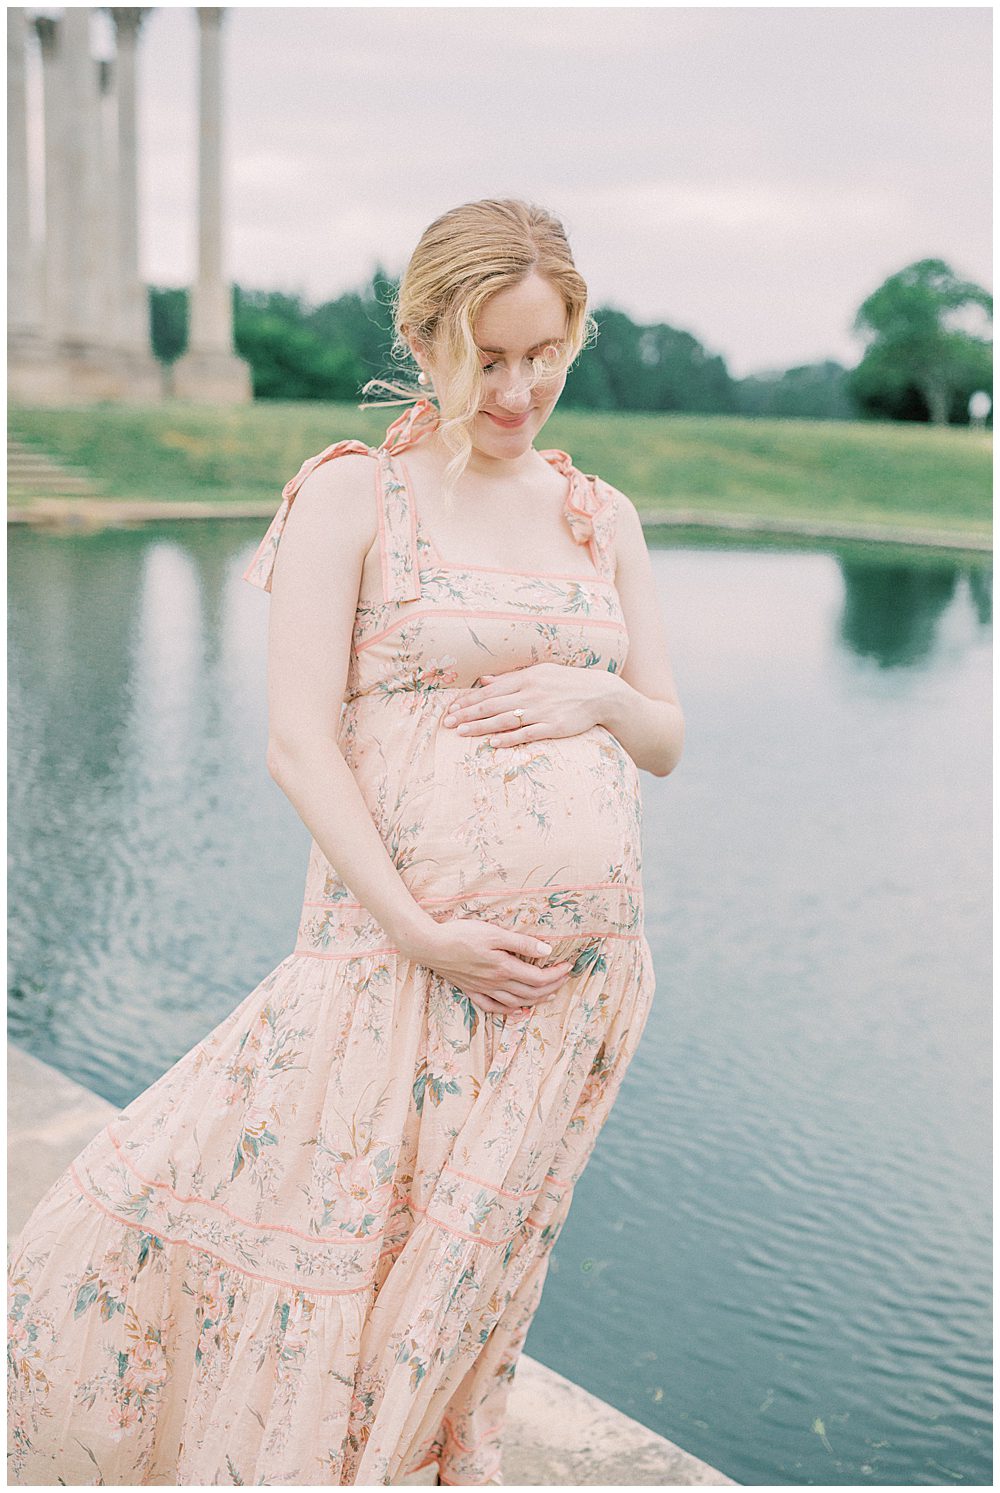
(312, 1250)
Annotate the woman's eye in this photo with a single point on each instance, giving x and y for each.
(488, 367)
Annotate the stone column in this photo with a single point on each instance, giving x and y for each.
(133, 297)
(107, 178)
(211, 320)
(210, 370)
(81, 358)
(22, 306)
(36, 370)
(81, 150)
(56, 277)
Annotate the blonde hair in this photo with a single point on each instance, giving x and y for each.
(462, 259)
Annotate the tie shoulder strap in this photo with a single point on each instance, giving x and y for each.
(591, 510)
(397, 515)
(421, 418)
(397, 533)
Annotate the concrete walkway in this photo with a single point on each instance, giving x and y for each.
(559, 1435)
(101, 513)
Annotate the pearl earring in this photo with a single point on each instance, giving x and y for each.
(421, 377)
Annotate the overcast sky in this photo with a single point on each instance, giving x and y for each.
(747, 175)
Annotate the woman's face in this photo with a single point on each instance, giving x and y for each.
(513, 327)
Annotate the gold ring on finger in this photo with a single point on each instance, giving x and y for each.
(520, 716)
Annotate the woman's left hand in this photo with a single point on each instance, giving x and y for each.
(556, 700)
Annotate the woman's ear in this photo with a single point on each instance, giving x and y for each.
(418, 351)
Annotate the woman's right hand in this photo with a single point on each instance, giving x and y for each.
(489, 964)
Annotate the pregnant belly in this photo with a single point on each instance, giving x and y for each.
(546, 835)
(563, 812)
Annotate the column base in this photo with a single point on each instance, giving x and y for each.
(43, 372)
(211, 378)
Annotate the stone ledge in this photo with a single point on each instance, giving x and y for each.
(52, 511)
(559, 1435)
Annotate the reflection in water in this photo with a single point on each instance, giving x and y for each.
(891, 611)
(71, 625)
(138, 791)
(786, 1220)
(981, 590)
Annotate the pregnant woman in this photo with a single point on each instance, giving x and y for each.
(311, 1251)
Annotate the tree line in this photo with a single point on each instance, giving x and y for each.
(919, 362)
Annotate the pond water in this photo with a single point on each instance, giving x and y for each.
(779, 1254)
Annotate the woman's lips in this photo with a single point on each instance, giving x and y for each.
(508, 424)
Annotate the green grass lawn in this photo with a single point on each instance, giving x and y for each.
(877, 472)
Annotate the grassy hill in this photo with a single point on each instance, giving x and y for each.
(864, 472)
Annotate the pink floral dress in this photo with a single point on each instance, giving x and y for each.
(311, 1251)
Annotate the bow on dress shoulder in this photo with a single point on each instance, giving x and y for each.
(407, 430)
(589, 509)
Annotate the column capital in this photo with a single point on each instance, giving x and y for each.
(128, 20)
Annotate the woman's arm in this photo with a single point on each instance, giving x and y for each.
(314, 596)
(640, 706)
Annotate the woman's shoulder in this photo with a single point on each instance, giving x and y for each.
(594, 495)
(322, 485)
(341, 479)
(608, 492)
(345, 464)
(602, 510)
(603, 491)
(617, 514)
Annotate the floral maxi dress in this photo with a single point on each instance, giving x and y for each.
(311, 1251)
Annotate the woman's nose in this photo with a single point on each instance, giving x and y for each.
(515, 397)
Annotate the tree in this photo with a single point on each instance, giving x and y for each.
(914, 351)
(289, 355)
(647, 367)
(168, 319)
(812, 391)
